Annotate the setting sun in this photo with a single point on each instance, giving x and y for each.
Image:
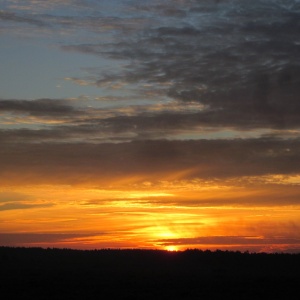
(171, 248)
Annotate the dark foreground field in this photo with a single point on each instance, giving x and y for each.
(34, 273)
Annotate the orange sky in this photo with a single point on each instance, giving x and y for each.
(175, 214)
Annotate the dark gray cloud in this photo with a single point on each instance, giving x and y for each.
(39, 107)
(29, 136)
(68, 16)
(161, 122)
(147, 160)
(239, 58)
(143, 122)
(13, 17)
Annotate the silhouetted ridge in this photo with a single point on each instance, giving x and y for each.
(36, 273)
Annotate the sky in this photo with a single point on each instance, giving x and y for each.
(168, 124)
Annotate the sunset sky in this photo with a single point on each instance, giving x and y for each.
(168, 124)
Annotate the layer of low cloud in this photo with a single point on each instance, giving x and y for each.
(17, 205)
(241, 243)
(32, 238)
(75, 163)
(46, 120)
(230, 240)
(40, 107)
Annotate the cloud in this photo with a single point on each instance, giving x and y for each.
(237, 192)
(39, 107)
(92, 120)
(147, 160)
(12, 197)
(13, 17)
(67, 18)
(172, 120)
(230, 240)
(233, 57)
(17, 205)
(201, 67)
(12, 239)
(241, 243)
(40, 5)
(15, 200)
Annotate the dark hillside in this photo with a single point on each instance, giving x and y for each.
(35, 273)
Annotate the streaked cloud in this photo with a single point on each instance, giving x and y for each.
(234, 243)
(13, 239)
(16, 205)
(36, 107)
(152, 159)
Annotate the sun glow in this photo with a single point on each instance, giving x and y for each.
(170, 217)
(171, 248)
(148, 194)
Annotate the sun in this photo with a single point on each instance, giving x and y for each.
(171, 248)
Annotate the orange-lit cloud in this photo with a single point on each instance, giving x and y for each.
(84, 217)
